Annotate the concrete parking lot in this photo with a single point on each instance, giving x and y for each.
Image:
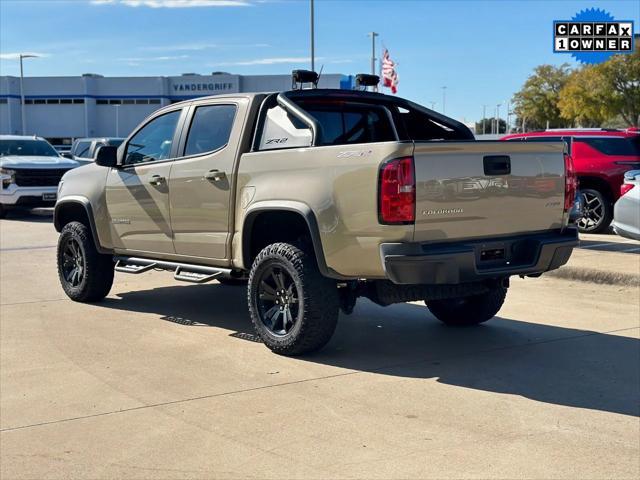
(165, 380)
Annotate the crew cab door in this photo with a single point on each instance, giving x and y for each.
(202, 178)
(137, 192)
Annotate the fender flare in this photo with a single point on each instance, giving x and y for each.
(301, 209)
(86, 205)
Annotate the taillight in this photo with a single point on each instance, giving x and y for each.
(397, 192)
(571, 183)
(625, 187)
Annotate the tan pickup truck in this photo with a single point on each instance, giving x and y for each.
(315, 198)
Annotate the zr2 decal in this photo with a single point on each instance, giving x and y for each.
(277, 140)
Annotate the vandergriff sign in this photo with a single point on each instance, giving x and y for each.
(204, 85)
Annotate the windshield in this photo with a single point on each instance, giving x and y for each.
(27, 148)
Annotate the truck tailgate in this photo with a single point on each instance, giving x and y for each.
(487, 189)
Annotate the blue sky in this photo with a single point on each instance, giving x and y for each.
(481, 50)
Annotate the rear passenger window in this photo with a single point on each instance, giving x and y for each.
(210, 129)
(544, 138)
(613, 146)
(349, 123)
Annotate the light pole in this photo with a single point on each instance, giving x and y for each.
(508, 104)
(313, 53)
(373, 52)
(117, 120)
(22, 110)
(498, 118)
(444, 99)
(484, 117)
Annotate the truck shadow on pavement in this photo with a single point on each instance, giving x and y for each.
(551, 364)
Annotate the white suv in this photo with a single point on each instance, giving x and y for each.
(30, 170)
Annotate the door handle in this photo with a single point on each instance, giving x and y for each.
(157, 180)
(215, 175)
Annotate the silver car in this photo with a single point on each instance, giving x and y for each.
(626, 212)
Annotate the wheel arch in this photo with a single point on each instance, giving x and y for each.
(78, 209)
(596, 183)
(303, 214)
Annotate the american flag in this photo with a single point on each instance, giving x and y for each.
(389, 74)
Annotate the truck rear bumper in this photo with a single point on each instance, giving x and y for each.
(470, 261)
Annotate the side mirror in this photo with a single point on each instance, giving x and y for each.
(66, 155)
(107, 156)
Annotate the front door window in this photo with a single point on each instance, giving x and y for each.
(154, 141)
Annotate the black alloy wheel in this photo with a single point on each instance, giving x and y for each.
(73, 263)
(278, 300)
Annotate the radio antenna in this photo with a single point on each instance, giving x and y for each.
(319, 75)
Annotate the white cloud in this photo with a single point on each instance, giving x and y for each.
(268, 61)
(283, 60)
(193, 47)
(16, 56)
(164, 58)
(174, 3)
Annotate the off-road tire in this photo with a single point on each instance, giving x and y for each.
(318, 303)
(472, 310)
(97, 269)
(230, 281)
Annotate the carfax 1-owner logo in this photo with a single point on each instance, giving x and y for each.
(592, 36)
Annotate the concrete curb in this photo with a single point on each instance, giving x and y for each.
(596, 276)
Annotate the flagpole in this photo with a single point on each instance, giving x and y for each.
(444, 99)
(373, 56)
(313, 59)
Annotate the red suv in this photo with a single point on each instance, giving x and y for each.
(600, 158)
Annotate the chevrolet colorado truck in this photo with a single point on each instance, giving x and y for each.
(315, 198)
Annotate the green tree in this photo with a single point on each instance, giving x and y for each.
(622, 76)
(490, 125)
(537, 101)
(586, 99)
(597, 95)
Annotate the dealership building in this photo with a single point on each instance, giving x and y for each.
(64, 108)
